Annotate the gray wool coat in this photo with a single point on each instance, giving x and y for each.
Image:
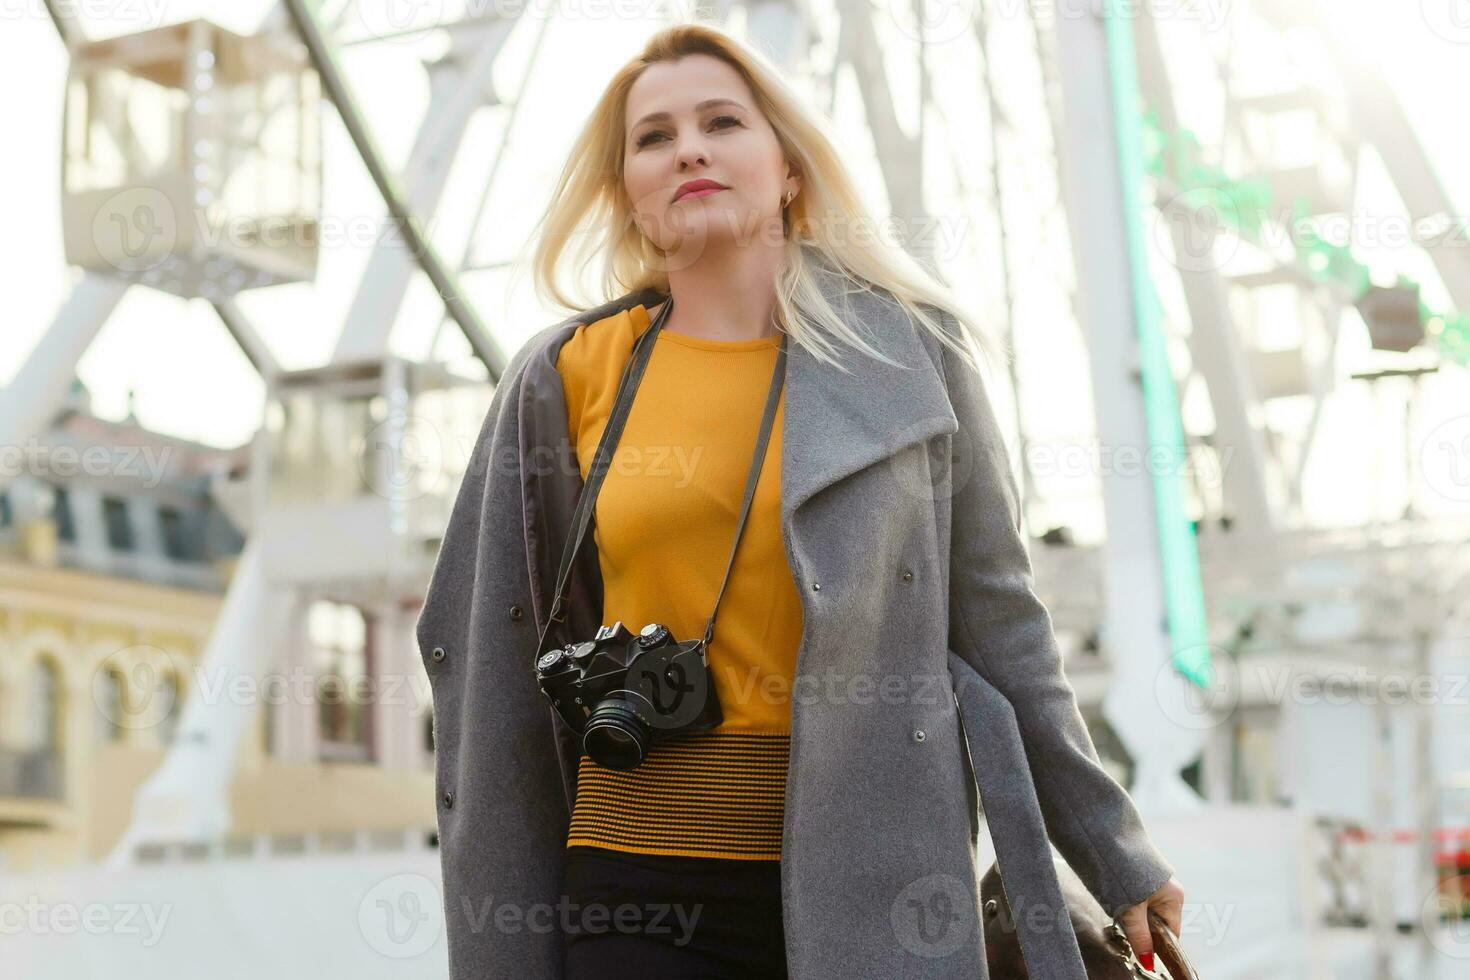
(928, 680)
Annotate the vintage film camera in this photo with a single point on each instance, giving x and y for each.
(623, 692)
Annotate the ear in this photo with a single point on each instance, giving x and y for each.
(793, 182)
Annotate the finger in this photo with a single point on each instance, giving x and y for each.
(1136, 929)
(1171, 913)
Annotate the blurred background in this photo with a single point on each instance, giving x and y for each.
(1227, 241)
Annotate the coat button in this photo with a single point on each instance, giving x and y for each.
(908, 576)
(919, 735)
(437, 654)
(816, 586)
(517, 613)
(448, 799)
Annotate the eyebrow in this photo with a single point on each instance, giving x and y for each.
(660, 116)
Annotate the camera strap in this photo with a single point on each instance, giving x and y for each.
(622, 406)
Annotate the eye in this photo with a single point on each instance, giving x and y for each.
(717, 122)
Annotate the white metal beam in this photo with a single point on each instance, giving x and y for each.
(1214, 343)
(1135, 629)
(40, 385)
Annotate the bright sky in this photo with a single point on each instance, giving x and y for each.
(190, 379)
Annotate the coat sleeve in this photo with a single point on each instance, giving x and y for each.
(1000, 628)
(501, 808)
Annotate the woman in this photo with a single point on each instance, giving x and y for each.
(827, 825)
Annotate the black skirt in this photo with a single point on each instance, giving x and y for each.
(635, 916)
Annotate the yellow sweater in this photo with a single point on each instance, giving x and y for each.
(664, 526)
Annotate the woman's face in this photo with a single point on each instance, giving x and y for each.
(695, 119)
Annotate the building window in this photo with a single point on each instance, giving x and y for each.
(119, 528)
(1193, 775)
(338, 640)
(268, 725)
(35, 771)
(176, 541)
(61, 511)
(168, 693)
(109, 701)
(1254, 769)
(45, 705)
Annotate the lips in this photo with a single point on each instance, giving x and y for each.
(697, 187)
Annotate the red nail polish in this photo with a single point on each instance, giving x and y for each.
(1147, 959)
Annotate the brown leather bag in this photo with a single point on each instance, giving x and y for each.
(1106, 952)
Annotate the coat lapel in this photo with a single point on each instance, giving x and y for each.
(838, 422)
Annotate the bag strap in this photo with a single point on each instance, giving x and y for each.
(1168, 949)
(768, 419)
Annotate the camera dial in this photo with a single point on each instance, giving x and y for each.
(652, 635)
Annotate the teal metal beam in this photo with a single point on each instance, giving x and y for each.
(1183, 588)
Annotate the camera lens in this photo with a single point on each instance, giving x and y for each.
(615, 737)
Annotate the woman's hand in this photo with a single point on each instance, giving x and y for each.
(1168, 901)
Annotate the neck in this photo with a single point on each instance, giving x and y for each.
(727, 294)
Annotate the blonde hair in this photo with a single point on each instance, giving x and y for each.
(590, 207)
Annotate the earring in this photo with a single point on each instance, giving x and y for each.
(786, 200)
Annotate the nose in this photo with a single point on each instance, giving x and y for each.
(691, 151)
